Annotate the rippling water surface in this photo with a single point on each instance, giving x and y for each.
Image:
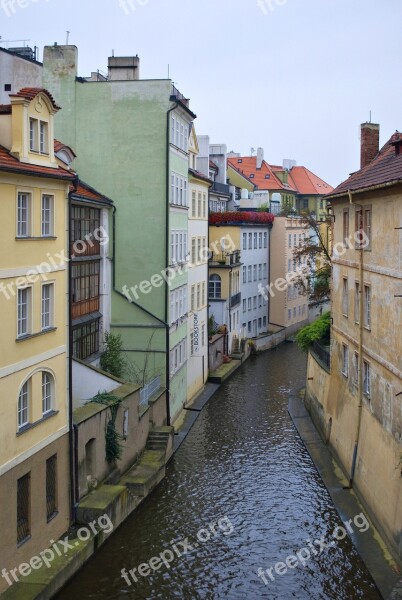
(242, 460)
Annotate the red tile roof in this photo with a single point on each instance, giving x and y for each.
(308, 183)
(86, 192)
(30, 93)
(385, 168)
(264, 178)
(13, 165)
(59, 146)
(235, 168)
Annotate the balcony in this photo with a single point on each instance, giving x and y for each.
(235, 300)
(84, 307)
(225, 260)
(179, 96)
(220, 188)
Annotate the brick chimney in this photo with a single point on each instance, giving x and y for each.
(370, 143)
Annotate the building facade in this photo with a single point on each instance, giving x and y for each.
(143, 128)
(358, 406)
(34, 415)
(199, 185)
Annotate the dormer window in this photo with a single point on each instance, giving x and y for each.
(239, 160)
(252, 176)
(267, 176)
(38, 136)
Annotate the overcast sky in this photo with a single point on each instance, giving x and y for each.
(296, 77)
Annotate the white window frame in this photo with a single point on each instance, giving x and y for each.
(47, 224)
(47, 392)
(23, 409)
(26, 318)
(24, 227)
(366, 379)
(47, 306)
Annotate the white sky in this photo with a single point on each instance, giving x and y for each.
(296, 78)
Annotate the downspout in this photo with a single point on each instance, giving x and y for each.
(73, 430)
(167, 231)
(269, 270)
(360, 361)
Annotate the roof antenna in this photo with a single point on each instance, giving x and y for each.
(67, 36)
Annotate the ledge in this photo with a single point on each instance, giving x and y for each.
(30, 336)
(49, 415)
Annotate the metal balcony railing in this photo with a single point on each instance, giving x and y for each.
(235, 300)
(220, 188)
(225, 259)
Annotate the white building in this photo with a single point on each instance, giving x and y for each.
(255, 266)
(199, 184)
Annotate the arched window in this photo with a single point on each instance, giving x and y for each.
(215, 286)
(47, 392)
(23, 404)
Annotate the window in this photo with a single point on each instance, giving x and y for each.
(249, 303)
(244, 305)
(254, 302)
(203, 298)
(250, 241)
(289, 240)
(249, 273)
(244, 274)
(198, 295)
(179, 133)
(357, 302)
(24, 312)
(43, 138)
(7, 87)
(214, 290)
(264, 321)
(265, 239)
(204, 206)
(33, 135)
(366, 378)
(47, 393)
(51, 487)
(367, 306)
(260, 240)
(47, 215)
(356, 368)
(264, 271)
(255, 241)
(363, 228)
(255, 273)
(193, 204)
(259, 323)
(345, 360)
(345, 226)
(192, 299)
(23, 404)
(23, 215)
(249, 326)
(178, 246)
(47, 305)
(345, 297)
(86, 340)
(178, 356)
(23, 508)
(260, 272)
(84, 288)
(295, 240)
(179, 192)
(244, 241)
(85, 221)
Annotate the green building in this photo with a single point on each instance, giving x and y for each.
(131, 138)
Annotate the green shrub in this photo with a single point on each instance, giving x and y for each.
(112, 360)
(317, 331)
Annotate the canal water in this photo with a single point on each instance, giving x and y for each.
(243, 492)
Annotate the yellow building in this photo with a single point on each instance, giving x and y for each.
(357, 405)
(34, 419)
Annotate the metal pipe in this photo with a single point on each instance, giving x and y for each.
(360, 360)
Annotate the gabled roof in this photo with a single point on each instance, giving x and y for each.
(30, 93)
(9, 163)
(200, 175)
(58, 146)
(86, 192)
(264, 178)
(385, 168)
(308, 183)
(234, 167)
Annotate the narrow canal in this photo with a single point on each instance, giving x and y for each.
(244, 469)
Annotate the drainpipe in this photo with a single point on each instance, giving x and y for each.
(269, 270)
(360, 361)
(72, 434)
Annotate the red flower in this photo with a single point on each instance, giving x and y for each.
(227, 218)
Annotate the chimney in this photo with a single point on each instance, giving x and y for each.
(370, 143)
(124, 68)
(260, 157)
